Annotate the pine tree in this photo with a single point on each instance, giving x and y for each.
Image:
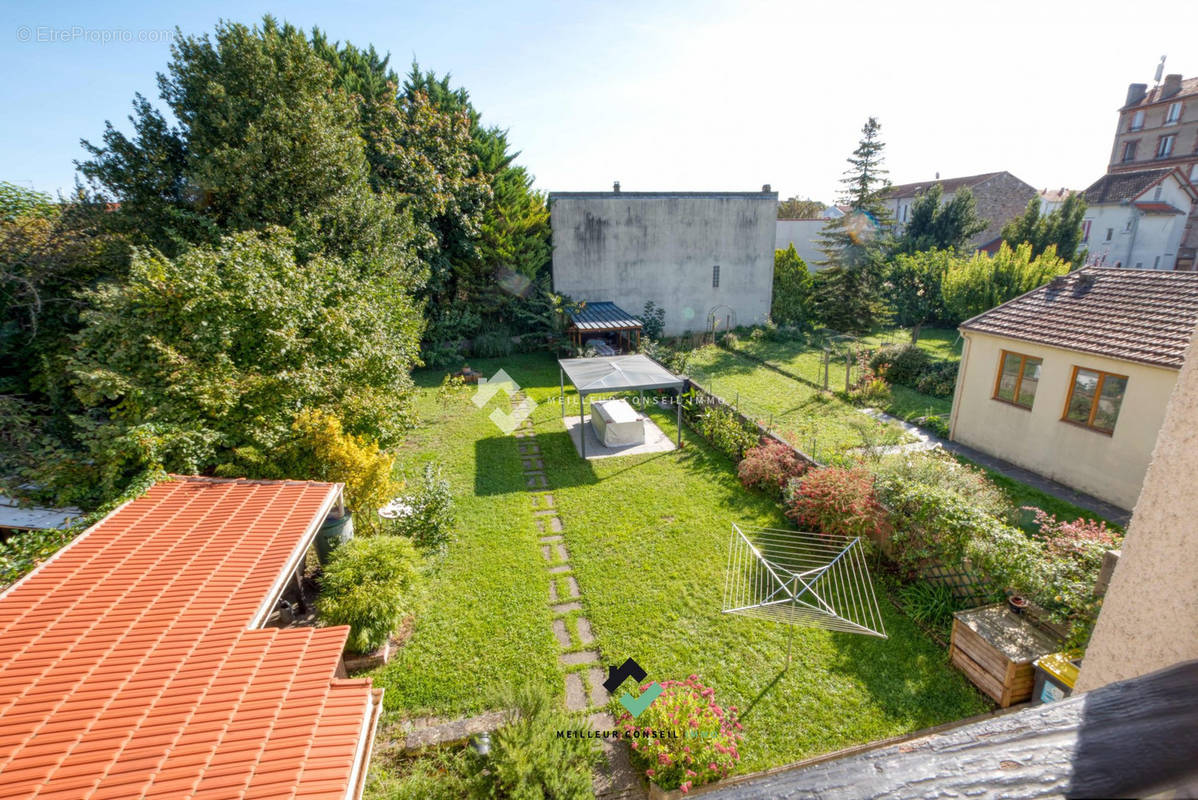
(847, 289)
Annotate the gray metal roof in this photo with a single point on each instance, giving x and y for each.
(33, 517)
(618, 374)
(602, 316)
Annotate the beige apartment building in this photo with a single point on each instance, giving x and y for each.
(1158, 128)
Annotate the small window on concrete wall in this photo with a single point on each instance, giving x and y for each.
(715, 277)
(1018, 377)
(1095, 398)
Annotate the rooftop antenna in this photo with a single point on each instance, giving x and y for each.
(1160, 70)
(801, 578)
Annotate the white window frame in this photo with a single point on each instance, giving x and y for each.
(1173, 113)
(1137, 121)
(1164, 146)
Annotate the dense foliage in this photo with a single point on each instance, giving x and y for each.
(913, 288)
(203, 360)
(368, 585)
(901, 363)
(791, 304)
(799, 208)
(529, 761)
(1059, 230)
(935, 225)
(720, 426)
(703, 740)
(984, 281)
(653, 320)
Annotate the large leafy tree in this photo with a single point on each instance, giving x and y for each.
(204, 359)
(846, 295)
(934, 224)
(913, 287)
(791, 303)
(1060, 229)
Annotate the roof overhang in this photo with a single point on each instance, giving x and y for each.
(618, 374)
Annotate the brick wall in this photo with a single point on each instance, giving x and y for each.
(999, 200)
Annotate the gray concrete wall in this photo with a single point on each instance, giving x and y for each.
(804, 234)
(632, 247)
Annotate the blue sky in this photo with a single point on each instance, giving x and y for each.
(695, 95)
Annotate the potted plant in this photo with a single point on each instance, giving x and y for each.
(1017, 603)
(684, 739)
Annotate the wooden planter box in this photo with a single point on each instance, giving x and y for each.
(995, 648)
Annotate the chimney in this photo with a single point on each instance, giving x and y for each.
(1172, 86)
(1135, 93)
(615, 187)
(765, 187)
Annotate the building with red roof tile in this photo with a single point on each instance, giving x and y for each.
(134, 662)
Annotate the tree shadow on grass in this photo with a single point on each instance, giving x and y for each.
(499, 465)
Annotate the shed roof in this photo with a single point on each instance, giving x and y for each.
(14, 515)
(602, 316)
(130, 666)
(618, 374)
(1145, 316)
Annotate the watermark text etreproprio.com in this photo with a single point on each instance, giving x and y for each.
(50, 34)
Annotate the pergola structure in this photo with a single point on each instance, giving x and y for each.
(604, 317)
(603, 375)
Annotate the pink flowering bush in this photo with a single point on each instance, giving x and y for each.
(684, 739)
(769, 466)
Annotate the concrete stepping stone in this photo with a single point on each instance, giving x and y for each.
(555, 524)
(542, 501)
(566, 608)
(551, 539)
(545, 512)
(599, 695)
(562, 635)
(562, 553)
(576, 698)
(552, 591)
(585, 634)
(533, 463)
(558, 570)
(428, 731)
(547, 552)
(537, 481)
(571, 586)
(582, 657)
(540, 523)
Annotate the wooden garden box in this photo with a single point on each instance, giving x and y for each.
(995, 648)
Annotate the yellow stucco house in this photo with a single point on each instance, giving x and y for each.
(1071, 380)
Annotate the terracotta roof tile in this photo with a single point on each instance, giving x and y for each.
(1146, 316)
(129, 667)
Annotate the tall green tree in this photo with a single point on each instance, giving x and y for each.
(936, 225)
(914, 288)
(847, 291)
(800, 208)
(791, 303)
(1060, 228)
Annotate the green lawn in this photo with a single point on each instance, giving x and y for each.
(942, 343)
(648, 538)
(814, 421)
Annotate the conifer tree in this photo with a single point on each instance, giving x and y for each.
(847, 289)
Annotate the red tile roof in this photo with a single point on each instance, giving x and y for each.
(1141, 315)
(1158, 208)
(130, 665)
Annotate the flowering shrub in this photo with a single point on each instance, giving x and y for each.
(836, 501)
(770, 465)
(1081, 539)
(703, 747)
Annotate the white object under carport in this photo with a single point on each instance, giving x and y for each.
(616, 423)
(611, 374)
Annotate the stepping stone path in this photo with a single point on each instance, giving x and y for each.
(615, 780)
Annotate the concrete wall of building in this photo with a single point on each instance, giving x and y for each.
(1110, 467)
(804, 234)
(1138, 239)
(635, 247)
(1149, 617)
